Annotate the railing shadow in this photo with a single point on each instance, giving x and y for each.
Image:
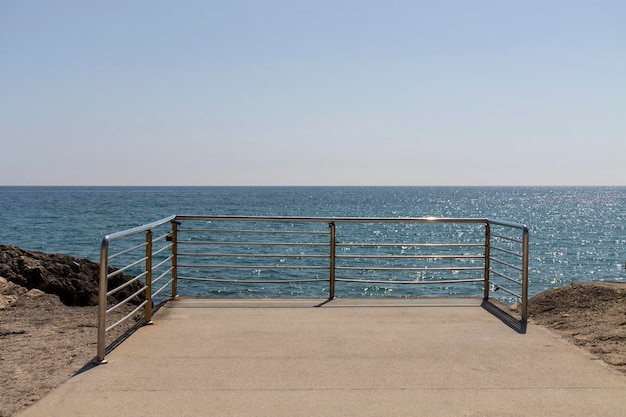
(117, 342)
(500, 312)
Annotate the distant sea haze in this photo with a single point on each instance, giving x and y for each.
(576, 233)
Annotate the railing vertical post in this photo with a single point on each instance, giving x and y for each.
(175, 258)
(331, 292)
(487, 260)
(148, 309)
(525, 275)
(102, 299)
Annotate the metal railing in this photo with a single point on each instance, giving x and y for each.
(138, 251)
(229, 256)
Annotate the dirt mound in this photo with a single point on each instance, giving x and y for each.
(589, 314)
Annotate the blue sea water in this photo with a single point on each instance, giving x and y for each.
(576, 233)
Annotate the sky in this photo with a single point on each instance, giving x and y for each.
(340, 92)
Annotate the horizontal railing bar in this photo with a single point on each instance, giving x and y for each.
(410, 257)
(505, 277)
(238, 281)
(116, 306)
(410, 245)
(450, 281)
(127, 283)
(519, 255)
(163, 287)
(248, 255)
(297, 219)
(129, 315)
(160, 238)
(135, 230)
(163, 262)
(506, 264)
(523, 227)
(257, 232)
(511, 239)
(160, 277)
(127, 267)
(139, 246)
(164, 248)
(253, 267)
(355, 268)
(513, 293)
(231, 243)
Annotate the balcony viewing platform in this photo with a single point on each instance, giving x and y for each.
(217, 345)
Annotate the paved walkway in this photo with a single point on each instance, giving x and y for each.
(365, 357)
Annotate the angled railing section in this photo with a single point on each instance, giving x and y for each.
(237, 256)
(137, 252)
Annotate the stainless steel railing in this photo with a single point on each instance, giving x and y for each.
(137, 253)
(225, 256)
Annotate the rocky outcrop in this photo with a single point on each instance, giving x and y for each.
(73, 280)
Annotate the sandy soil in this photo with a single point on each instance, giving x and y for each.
(590, 315)
(43, 342)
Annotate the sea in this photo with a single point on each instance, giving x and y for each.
(576, 233)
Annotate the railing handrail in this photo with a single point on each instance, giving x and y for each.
(521, 226)
(134, 230)
(344, 219)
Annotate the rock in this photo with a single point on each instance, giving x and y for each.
(9, 292)
(74, 281)
(4, 303)
(35, 293)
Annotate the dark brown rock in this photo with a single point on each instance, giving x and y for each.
(73, 280)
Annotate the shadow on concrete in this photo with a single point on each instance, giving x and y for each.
(114, 344)
(323, 303)
(500, 311)
(247, 302)
(338, 302)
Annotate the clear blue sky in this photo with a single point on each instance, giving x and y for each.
(313, 93)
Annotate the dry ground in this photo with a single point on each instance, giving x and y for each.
(591, 315)
(42, 344)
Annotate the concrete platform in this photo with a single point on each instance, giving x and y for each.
(363, 357)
